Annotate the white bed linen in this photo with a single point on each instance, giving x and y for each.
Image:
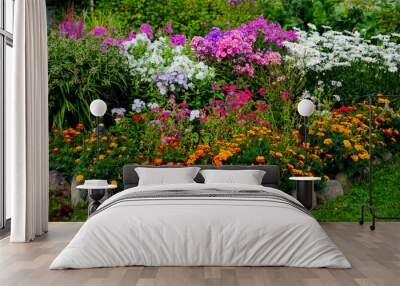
(211, 231)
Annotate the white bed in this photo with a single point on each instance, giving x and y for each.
(202, 231)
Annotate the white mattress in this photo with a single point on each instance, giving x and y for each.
(200, 232)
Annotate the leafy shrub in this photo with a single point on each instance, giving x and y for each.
(368, 17)
(80, 72)
(190, 17)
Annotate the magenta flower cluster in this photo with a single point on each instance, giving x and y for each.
(239, 46)
(75, 30)
(177, 40)
(72, 29)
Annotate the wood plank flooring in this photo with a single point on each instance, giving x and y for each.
(375, 257)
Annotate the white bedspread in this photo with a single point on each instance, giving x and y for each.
(200, 231)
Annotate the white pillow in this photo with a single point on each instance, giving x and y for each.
(248, 177)
(166, 176)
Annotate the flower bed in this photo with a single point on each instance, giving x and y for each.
(234, 130)
(228, 97)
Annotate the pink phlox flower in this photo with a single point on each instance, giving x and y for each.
(148, 30)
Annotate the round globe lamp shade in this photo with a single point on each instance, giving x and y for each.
(98, 107)
(306, 107)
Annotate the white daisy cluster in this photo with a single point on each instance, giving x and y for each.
(323, 52)
(169, 67)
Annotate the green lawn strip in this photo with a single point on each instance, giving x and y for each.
(386, 197)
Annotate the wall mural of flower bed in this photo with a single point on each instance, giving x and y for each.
(227, 97)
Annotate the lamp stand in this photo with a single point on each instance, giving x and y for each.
(98, 135)
(369, 205)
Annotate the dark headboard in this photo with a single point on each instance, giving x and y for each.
(271, 177)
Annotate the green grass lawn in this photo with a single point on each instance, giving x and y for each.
(386, 197)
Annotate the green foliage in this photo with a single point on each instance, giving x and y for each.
(369, 17)
(386, 196)
(189, 17)
(80, 72)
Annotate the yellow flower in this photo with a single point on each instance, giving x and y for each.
(328, 141)
(114, 183)
(320, 134)
(123, 148)
(347, 144)
(109, 151)
(77, 161)
(113, 145)
(297, 172)
(102, 157)
(80, 178)
(359, 147)
(120, 157)
(78, 149)
(354, 158)
(383, 100)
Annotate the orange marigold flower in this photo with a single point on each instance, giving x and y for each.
(383, 100)
(80, 126)
(290, 151)
(102, 157)
(300, 163)
(158, 161)
(359, 147)
(289, 167)
(364, 155)
(328, 156)
(347, 144)
(301, 157)
(260, 159)
(80, 178)
(199, 153)
(354, 158)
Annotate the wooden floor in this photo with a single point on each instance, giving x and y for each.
(375, 257)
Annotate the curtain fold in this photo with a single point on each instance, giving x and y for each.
(27, 124)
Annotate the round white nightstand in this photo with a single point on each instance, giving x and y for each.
(97, 194)
(305, 189)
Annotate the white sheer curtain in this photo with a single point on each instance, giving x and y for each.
(27, 124)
